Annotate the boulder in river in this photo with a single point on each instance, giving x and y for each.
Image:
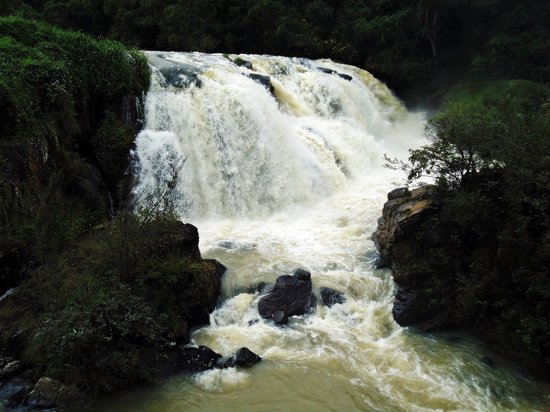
(290, 296)
(244, 358)
(331, 297)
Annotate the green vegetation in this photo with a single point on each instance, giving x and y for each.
(101, 291)
(65, 133)
(100, 313)
(419, 46)
(490, 155)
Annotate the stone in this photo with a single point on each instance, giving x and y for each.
(10, 368)
(246, 358)
(14, 391)
(290, 296)
(44, 394)
(187, 359)
(263, 80)
(331, 297)
(399, 192)
(326, 70)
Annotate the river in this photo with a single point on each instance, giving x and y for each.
(294, 177)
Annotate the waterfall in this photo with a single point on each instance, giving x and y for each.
(229, 146)
(279, 162)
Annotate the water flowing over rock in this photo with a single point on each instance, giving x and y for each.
(301, 178)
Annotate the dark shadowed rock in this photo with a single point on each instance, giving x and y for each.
(14, 391)
(399, 192)
(331, 297)
(326, 70)
(263, 80)
(488, 361)
(10, 368)
(189, 241)
(44, 394)
(187, 359)
(290, 296)
(244, 358)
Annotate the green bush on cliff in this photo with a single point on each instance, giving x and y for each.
(100, 313)
(65, 134)
(490, 156)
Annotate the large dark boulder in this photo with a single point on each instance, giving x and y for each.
(290, 296)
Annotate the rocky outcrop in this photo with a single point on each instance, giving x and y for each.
(290, 296)
(421, 247)
(403, 210)
(446, 276)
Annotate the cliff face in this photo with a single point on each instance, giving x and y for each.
(431, 257)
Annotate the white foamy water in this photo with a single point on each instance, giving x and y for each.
(296, 179)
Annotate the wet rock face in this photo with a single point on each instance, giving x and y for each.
(263, 80)
(290, 296)
(401, 214)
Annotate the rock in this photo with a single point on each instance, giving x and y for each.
(87, 184)
(488, 361)
(181, 76)
(244, 358)
(290, 296)
(403, 212)
(69, 395)
(326, 70)
(263, 80)
(189, 241)
(187, 359)
(280, 317)
(10, 368)
(14, 391)
(331, 297)
(243, 63)
(44, 394)
(399, 192)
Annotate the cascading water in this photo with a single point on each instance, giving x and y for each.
(287, 174)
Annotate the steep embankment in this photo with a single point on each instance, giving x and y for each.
(93, 298)
(471, 252)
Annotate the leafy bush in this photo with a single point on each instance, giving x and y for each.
(489, 155)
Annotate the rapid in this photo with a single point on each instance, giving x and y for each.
(285, 172)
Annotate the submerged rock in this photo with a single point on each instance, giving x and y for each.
(326, 70)
(331, 297)
(290, 296)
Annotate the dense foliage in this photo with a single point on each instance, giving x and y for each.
(102, 293)
(420, 44)
(490, 155)
(64, 136)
